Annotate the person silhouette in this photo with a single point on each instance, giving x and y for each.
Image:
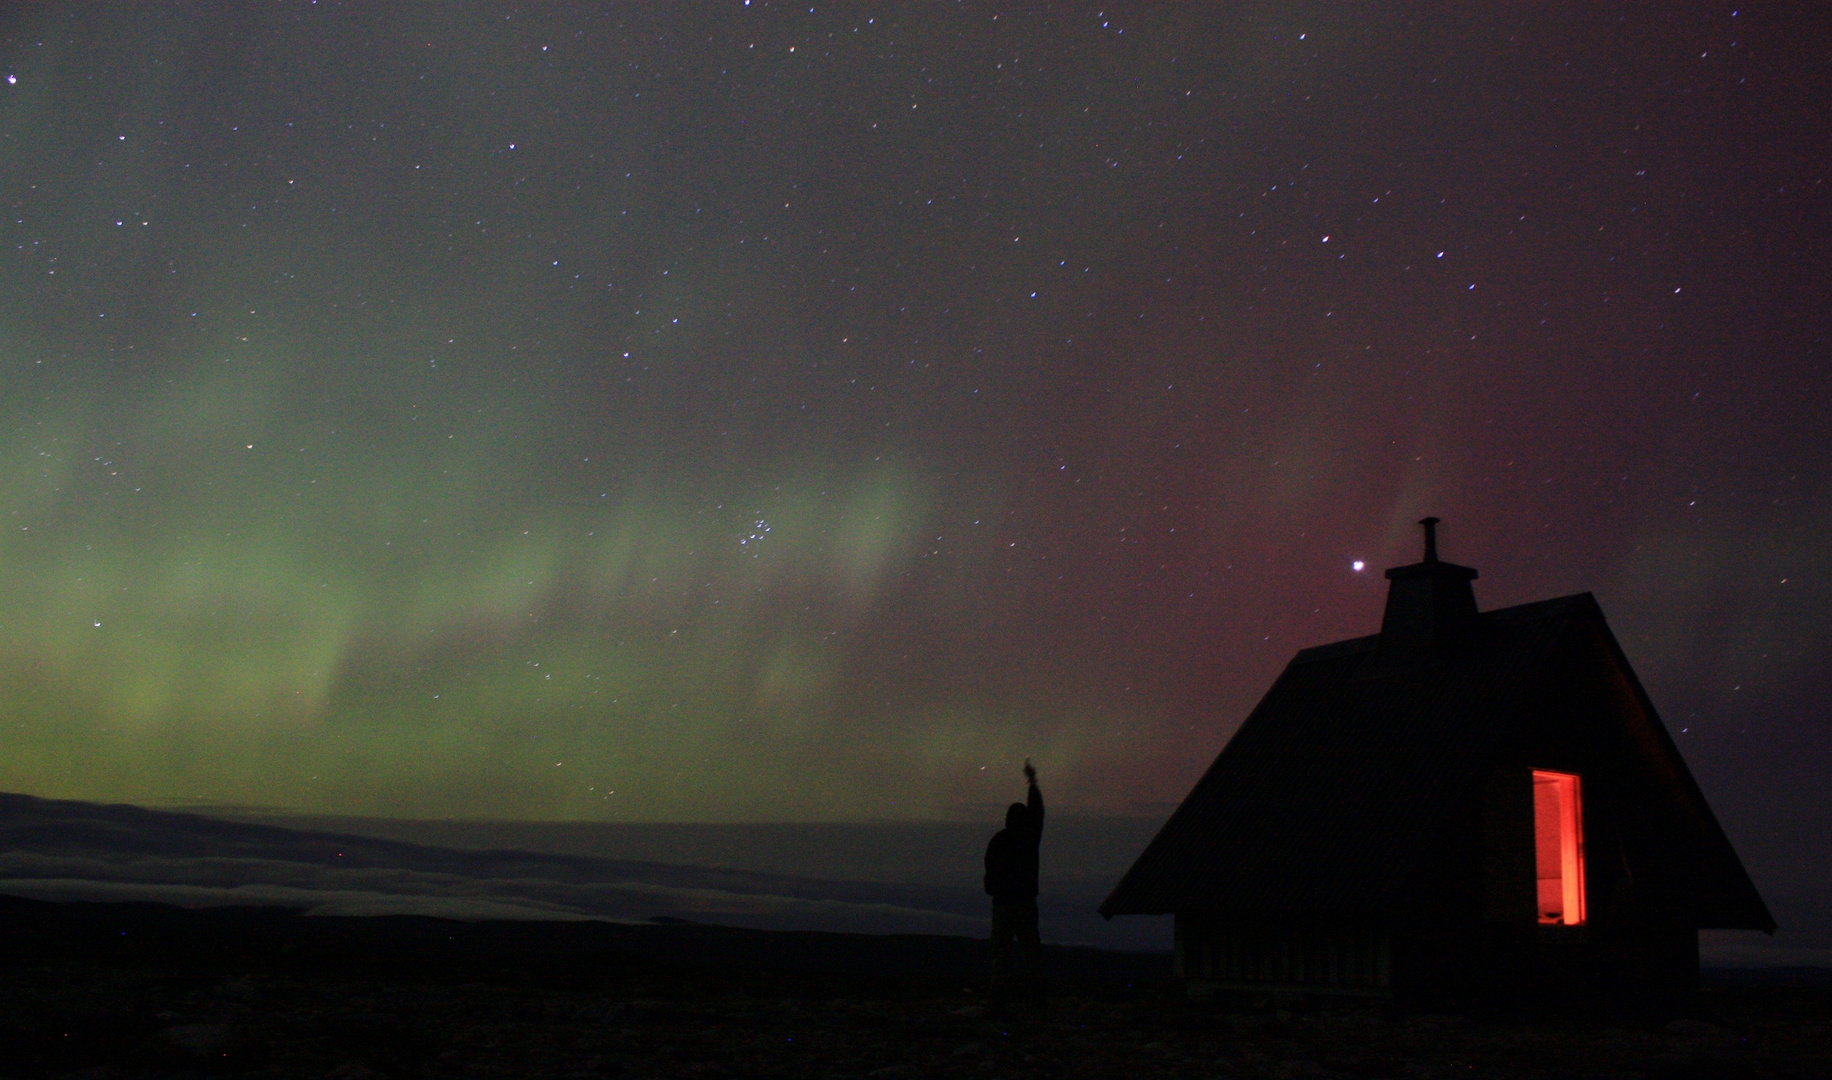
(1011, 881)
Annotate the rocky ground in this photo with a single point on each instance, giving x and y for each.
(100, 1023)
(227, 995)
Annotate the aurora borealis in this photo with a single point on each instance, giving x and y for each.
(740, 411)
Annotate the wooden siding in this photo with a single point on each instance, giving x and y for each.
(1320, 955)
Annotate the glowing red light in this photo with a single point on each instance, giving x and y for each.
(1558, 834)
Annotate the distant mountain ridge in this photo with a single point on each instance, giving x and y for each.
(60, 849)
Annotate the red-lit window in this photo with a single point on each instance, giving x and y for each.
(1558, 834)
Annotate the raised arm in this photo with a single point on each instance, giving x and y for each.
(1035, 799)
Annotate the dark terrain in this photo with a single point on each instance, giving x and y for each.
(107, 990)
(921, 878)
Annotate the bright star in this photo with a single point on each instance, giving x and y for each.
(1357, 566)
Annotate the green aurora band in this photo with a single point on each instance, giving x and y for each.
(478, 412)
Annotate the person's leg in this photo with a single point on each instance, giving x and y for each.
(1030, 943)
(1006, 938)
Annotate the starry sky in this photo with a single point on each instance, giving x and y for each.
(745, 411)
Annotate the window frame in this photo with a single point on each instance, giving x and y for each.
(1567, 789)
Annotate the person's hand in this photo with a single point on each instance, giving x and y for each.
(1030, 771)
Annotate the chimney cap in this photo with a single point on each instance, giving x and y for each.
(1431, 609)
(1431, 565)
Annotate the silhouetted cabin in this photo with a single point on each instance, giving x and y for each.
(1464, 802)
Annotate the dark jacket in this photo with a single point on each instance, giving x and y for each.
(1011, 857)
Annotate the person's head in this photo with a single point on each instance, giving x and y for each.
(1014, 815)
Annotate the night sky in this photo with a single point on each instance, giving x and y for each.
(744, 411)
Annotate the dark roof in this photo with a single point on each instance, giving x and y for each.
(1333, 793)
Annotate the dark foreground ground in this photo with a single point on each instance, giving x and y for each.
(101, 990)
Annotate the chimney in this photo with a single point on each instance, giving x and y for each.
(1431, 609)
